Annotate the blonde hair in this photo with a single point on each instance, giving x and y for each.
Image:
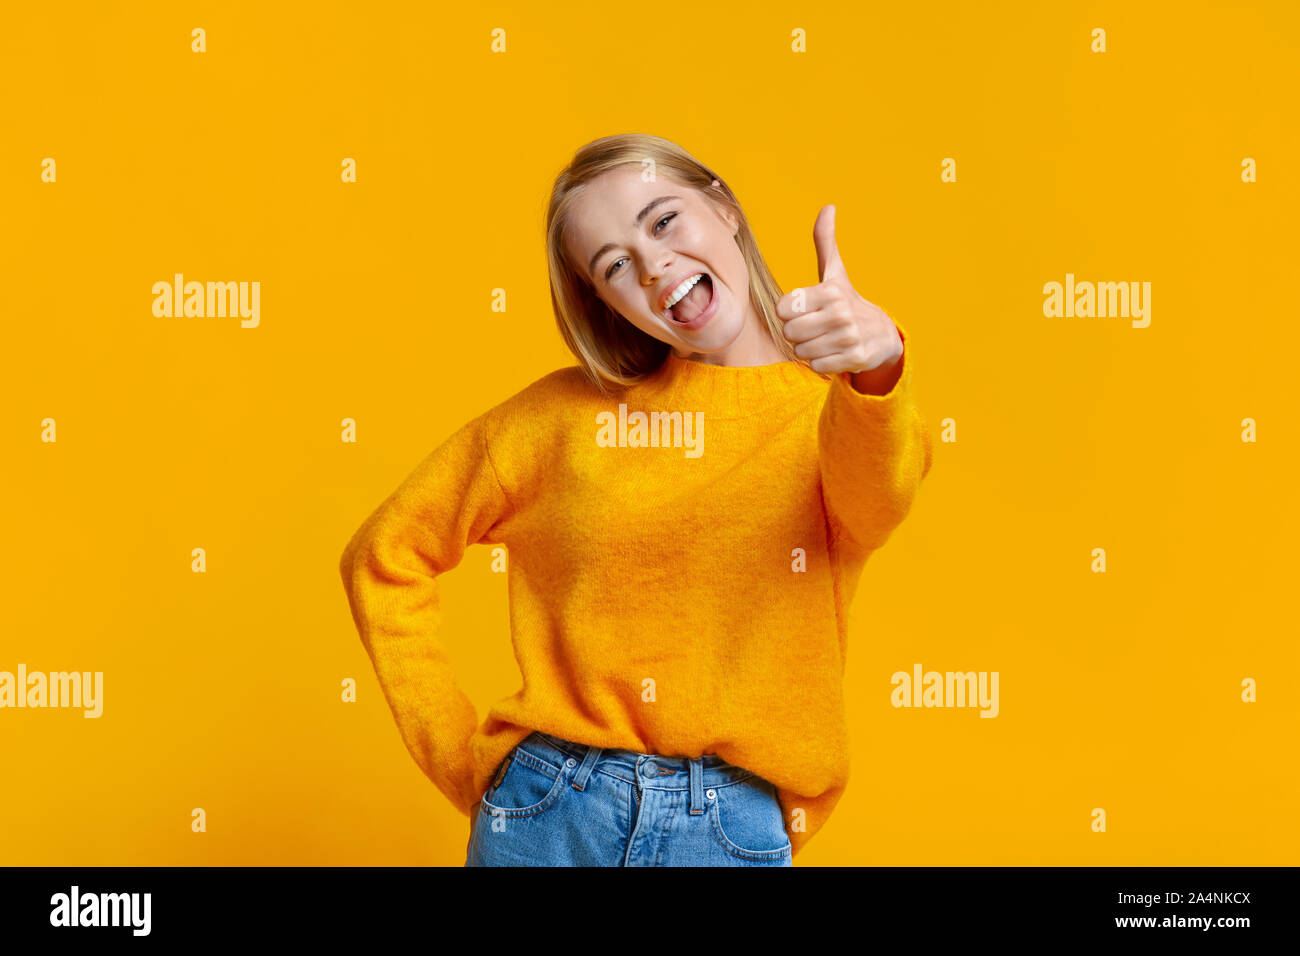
(612, 350)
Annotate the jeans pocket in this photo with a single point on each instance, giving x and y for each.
(524, 786)
(747, 821)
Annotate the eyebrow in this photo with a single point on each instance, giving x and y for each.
(591, 268)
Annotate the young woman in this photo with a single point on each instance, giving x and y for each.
(686, 511)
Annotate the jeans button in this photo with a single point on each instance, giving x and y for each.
(649, 768)
(570, 762)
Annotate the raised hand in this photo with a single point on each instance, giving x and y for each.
(833, 328)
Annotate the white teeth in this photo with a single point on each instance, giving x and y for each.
(682, 289)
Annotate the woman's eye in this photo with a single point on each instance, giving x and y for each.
(614, 265)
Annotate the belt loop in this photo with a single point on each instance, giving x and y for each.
(584, 771)
(697, 785)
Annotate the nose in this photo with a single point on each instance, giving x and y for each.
(653, 273)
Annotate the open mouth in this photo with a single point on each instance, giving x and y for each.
(695, 303)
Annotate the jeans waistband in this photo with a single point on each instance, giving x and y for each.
(655, 770)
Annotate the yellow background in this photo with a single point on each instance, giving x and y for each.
(222, 690)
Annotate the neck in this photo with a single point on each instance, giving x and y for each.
(753, 346)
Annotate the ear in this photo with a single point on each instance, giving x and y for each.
(724, 212)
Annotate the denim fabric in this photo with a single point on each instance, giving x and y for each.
(558, 803)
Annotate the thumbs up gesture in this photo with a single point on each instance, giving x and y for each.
(833, 328)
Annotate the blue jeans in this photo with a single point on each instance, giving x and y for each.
(558, 803)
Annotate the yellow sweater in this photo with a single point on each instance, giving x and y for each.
(684, 597)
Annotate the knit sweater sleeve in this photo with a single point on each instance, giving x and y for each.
(390, 569)
(874, 450)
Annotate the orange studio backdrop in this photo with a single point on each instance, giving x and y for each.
(1107, 528)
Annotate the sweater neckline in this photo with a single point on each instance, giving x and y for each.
(726, 391)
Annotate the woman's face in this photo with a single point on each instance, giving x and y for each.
(636, 242)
